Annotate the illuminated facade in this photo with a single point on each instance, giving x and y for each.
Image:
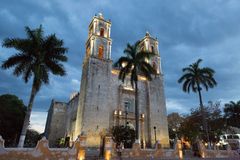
(104, 101)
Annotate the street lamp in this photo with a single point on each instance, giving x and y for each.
(155, 133)
(175, 132)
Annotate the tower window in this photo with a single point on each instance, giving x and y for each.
(90, 30)
(152, 48)
(88, 49)
(128, 105)
(102, 32)
(100, 52)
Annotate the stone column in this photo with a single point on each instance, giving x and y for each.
(1, 142)
(148, 119)
(108, 148)
(202, 149)
(178, 149)
(80, 146)
(142, 131)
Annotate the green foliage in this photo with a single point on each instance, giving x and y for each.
(123, 134)
(135, 63)
(32, 137)
(37, 55)
(174, 122)
(194, 78)
(232, 113)
(12, 112)
(62, 142)
(191, 127)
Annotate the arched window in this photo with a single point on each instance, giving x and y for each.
(102, 32)
(100, 52)
(152, 48)
(88, 49)
(128, 105)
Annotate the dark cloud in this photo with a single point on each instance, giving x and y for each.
(186, 29)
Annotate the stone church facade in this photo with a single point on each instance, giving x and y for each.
(104, 101)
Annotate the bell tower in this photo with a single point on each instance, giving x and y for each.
(148, 43)
(99, 42)
(92, 116)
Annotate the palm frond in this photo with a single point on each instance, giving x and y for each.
(186, 85)
(14, 60)
(44, 74)
(146, 72)
(30, 33)
(149, 68)
(197, 62)
(185, 77)
(19, 69)
(194, 77)
(121, 61)
(135, 63)
(129, 51)
(27, 73)
(142, 55)
(56, 68)
(188, 69)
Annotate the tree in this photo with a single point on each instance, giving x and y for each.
(195, 78)
(12, 112)
(37, 56)
(215, 120)
(191, 127)
(133, 64)
(232, 113)
(32, 137)
(174, 122)
(123, 134)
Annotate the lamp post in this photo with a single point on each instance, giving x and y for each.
(175, 133)
(155, 133)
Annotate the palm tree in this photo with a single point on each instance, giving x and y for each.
(37, 56)
(133, 64)
(194, 78)
(232, 113)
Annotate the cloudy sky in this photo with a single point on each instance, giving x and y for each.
(186, 30)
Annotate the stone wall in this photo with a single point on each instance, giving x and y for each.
(71, 118)
(158, 113)
(95, 116)
(56, 122)
(111, 152)
(216, 153)
(78, 151)
(42, 151)
(136, 152)
(151, 104)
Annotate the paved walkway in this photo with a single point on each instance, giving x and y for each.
(93, 155)
(169, 159)
(186, 158)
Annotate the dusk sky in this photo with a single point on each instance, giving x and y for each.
(186, 30)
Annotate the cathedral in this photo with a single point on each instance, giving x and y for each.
(104, 101)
